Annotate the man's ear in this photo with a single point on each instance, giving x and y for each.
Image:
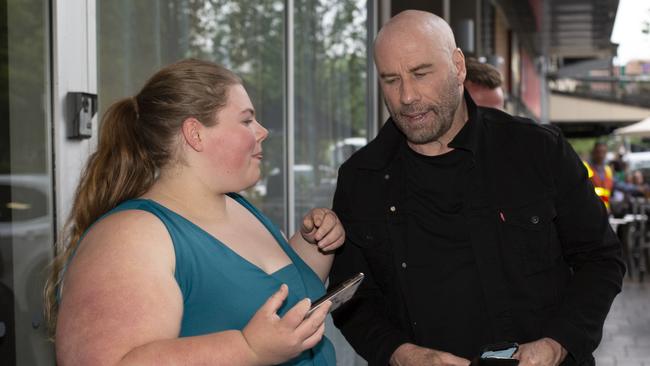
(458, 59)
(192, 130)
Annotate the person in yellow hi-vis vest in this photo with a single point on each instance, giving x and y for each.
(600, 174)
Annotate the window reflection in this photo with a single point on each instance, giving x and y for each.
(330, 75)
(25, 181)
(138, 37)
(331, 89)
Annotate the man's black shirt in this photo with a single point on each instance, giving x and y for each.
(440, 256)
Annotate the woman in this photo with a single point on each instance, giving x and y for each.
(163, 265)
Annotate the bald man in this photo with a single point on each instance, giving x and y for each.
(472, 227)
(483, 82)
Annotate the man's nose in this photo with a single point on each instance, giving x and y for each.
(408, 92)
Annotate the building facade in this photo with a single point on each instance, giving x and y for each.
(307, 65)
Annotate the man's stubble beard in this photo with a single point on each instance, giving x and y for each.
(440, 121)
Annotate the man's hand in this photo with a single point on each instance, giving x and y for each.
(411, 355)
(542, 352)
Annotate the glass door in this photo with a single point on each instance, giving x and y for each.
(26, 232)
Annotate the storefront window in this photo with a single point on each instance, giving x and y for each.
(135, 38)
(330, 97)
(26, 232)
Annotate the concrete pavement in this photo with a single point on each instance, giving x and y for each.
(626, 336)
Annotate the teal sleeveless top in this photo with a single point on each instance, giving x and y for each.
(222, 290)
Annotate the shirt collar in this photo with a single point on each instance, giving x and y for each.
(468, 136)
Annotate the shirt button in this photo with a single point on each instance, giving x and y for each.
(393, 209)
(387, 176)
(534, 219)
(403, 264)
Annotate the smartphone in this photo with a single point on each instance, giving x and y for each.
(339, 294)
(503, 350)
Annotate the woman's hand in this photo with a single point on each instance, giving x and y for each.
(322, 227)
(274, 340)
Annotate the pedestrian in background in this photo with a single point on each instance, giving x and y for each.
(484, 83)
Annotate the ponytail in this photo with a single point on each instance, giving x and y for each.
(119, 170)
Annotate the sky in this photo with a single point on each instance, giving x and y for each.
(633, 44)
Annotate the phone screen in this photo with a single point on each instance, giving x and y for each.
(503, 351)
(339, 294)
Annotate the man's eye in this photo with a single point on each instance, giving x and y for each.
(420, 74)
(248, 121)
(390, 81)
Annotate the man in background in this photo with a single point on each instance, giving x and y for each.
(600, 174)
(483, 82)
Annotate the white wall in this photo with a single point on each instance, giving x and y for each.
(74, 69)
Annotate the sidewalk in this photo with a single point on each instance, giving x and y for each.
(626, 336)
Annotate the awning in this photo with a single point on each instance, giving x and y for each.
(639, 129)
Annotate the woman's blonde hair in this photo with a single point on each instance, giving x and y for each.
(138, 136)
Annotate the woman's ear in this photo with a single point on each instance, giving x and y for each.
(192, 130)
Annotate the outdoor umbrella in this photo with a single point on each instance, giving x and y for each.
(639, 129)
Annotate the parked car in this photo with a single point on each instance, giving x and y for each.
(24, 205)
(26, 247)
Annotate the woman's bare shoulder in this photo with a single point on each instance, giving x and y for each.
(124, 236)
(122, 274)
